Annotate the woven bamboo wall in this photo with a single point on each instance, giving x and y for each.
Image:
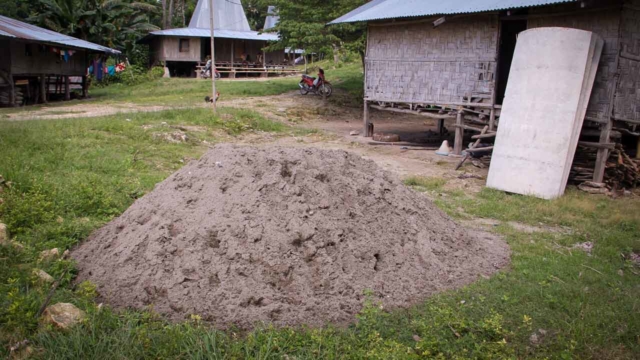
(420, 64)
(627, 102)
(604, 23)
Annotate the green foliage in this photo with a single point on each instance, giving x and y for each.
(302, 25)
(425, 183)
(132, 75)
(114, 23)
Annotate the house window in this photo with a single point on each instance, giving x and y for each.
(184, 45)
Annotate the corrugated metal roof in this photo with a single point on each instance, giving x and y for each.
(218, 33)
(391, 9)
(228, 15)
(18, 29)
(272, 19)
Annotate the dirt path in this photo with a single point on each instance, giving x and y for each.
(337, 119)
(339, 122)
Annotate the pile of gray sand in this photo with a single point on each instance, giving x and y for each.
(281, 235)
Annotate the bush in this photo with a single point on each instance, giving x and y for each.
(132, 75)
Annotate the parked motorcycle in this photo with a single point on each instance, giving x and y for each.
(206, 72)
(318, 86)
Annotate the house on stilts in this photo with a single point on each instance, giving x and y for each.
(238, 49)
(450, 60)
(36, 63)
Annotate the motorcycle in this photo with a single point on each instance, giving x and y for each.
(319, 86)
(206, 73)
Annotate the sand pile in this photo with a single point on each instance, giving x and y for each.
(282, 235)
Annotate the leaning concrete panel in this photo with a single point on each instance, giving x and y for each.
(547, 93)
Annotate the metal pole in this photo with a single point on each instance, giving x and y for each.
(213, 61)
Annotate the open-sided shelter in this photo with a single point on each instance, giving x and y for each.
(36, 62)
(451, 59)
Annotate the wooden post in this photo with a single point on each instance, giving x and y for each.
(366, 117)
(605, 133)
(492, 119)
(457, 145)
(12, 91)
(85, 88)
(43, 89)
(213, 59)
(67, 89)
(232, 74)
(603, 154)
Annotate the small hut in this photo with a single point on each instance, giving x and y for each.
(37, 62)
(238, 49)
(443, 58)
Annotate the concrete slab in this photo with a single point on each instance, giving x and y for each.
(547, 92)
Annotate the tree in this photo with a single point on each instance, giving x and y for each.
(114, 23)
(303, 25)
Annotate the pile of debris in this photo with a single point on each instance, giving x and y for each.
(280, 235)
(621, 172)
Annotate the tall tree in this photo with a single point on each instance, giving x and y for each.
(114, 23)
(303, 25)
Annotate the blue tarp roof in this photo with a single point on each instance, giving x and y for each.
(20, 30)
(392, 9)
(218, 33)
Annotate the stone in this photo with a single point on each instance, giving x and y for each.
(43, 277)
(354, 133)
(63, 315)
(4, 237)
(49, 254)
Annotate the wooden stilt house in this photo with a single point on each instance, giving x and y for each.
(37, 62)
(238, 49)
(451, 60)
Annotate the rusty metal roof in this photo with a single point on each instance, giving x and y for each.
(393, 9)
(20, 30)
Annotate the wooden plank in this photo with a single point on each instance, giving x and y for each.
(480, 149)
(603, 153)
(467, 127)
(595, 145)
(484, 136)
(439, 103)
(457, 143)
(413, 112)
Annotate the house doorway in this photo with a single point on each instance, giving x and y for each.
(509, 31)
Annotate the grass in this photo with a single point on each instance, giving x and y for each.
(68, 177)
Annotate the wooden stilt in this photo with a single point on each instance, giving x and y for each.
(603, 154)
(43, 89)
(85, 88)
(12, 91)
(492, 119)
(67, 89)
(366, 117)
(457, 145)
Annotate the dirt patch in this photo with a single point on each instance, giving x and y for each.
(282, 235)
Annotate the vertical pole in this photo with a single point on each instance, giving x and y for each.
(457, 145)
(213, 60)
(492, 119)
(85, 88)
(366, 117)
(603, 154)
(43, 89)
(12, 93)
(67, 90)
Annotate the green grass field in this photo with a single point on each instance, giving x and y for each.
(70, 176)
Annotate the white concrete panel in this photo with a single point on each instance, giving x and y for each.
(547, 92)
